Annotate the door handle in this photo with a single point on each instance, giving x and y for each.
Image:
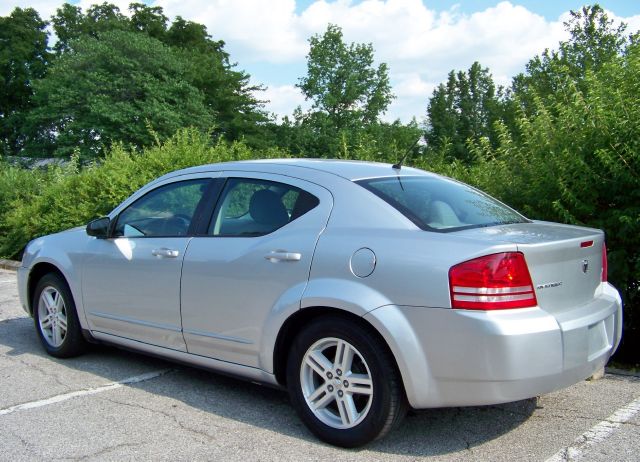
(164, 252)
(282, 255)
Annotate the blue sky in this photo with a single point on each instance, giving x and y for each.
(420, 40)
(548, 9)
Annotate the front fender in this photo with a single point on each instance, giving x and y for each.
(49, 250)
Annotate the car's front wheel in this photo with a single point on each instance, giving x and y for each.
(54, 314)
(343, 383)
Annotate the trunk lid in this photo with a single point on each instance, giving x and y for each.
(565, 262)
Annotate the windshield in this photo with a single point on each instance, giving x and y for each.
(440, 204)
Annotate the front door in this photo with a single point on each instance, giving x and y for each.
(131, 281)
(255, 260)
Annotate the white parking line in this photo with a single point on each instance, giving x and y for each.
(85, 392)
(597, 434)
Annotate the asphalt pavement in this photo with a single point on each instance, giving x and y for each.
(115, 405)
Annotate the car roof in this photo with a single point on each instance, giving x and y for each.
(349, 169)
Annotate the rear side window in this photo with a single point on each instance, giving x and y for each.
(439, 204)
(250, 207)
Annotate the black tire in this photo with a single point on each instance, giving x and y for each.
(71, 342)
(384, 409)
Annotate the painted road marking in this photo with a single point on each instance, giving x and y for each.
(85, 392)
(597, 434)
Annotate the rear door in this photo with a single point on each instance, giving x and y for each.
(254, 258)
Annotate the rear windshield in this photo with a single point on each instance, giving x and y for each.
(439, 204)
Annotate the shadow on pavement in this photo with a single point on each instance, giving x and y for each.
(423, 433)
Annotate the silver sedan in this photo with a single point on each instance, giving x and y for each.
(361, 288)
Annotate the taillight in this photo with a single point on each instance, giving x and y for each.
(493, 282)
(605, 265)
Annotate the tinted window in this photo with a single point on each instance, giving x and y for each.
(249, 207)
(439, 204)
(165, 211)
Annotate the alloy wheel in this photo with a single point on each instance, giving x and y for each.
(336, 383)
(52, 316)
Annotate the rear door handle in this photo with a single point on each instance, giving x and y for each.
(165, 253)
(282, 255)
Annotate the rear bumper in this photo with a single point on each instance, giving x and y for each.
(462, 357)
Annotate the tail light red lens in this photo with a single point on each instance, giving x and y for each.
(605, 265)
(493, 282)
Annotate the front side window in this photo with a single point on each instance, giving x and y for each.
(439, 204)
(165, 211)
(250, 207)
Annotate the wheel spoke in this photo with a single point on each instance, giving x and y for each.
(55, 335)
(318, 362)
(45, 322)
(347, 409)
(59, 301)
(322, 402)
(317, 393)
(360, 384)
(49, 301)
(62, 321)
(344, 356)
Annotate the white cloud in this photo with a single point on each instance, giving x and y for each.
(45, 8)
(257, 30)
(420, 45)
(282, 99)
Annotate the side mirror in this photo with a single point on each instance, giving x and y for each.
(99, 227)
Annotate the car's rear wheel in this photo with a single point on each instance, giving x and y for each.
(344, 383)
(55, 317)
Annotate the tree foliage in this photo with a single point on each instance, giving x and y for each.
(462, 109)
(168, 62)
(348, 95)
(115, 87)
(342, 81)
(571, 153)
(595, 41)
(23, 59)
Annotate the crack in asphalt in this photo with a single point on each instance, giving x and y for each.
(168, 415)
(100, 452)
(27, 445)
(44, 372)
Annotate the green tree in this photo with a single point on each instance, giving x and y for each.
(23, 59)
(115, 87)
(342, 81)
(463, 109)
(595, 41)
(70, 23)
(149, 19)
(348, 94)
(228, 94)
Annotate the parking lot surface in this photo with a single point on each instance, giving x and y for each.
(112, 404)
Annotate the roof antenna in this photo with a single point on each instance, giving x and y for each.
(420, 141)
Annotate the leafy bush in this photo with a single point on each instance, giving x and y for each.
(64, 197)
(17, 186)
